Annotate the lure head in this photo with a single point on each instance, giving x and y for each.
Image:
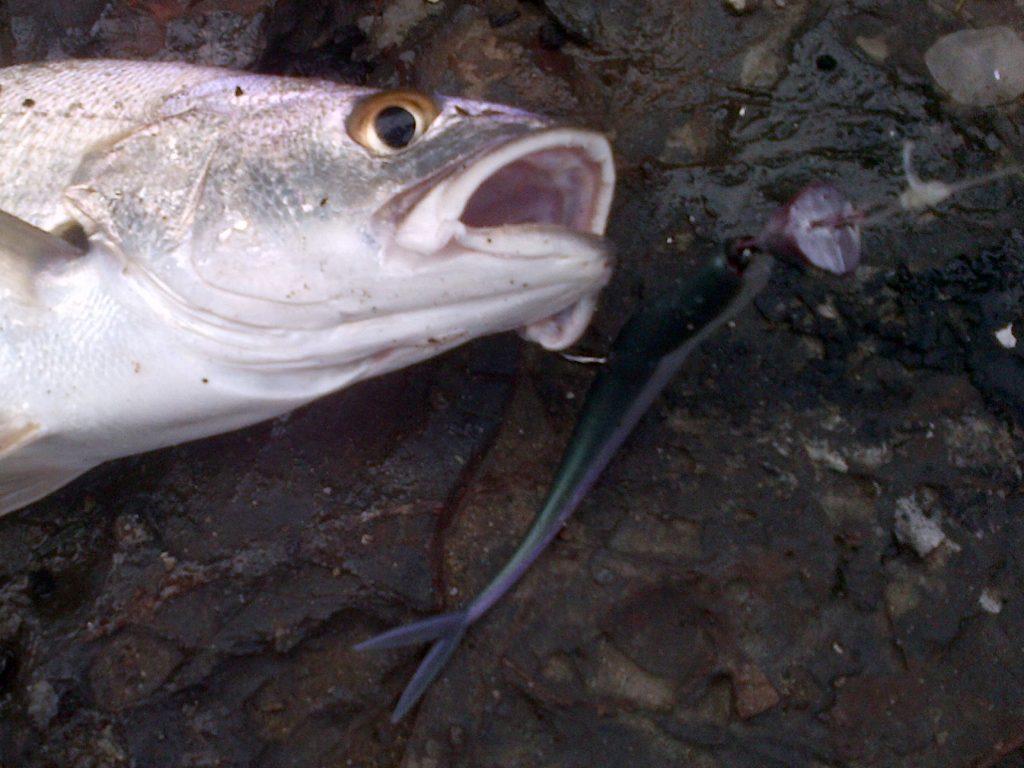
(299, 224)
(819, 226)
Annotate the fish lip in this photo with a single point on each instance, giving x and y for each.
(559, 182)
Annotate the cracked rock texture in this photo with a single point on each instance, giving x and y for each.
(808, 554)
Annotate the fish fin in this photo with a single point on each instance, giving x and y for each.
(24, 251)
(16, 434)
(446, 630)
(23, 484)
(19, 489)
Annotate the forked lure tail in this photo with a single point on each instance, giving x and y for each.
(445, 629)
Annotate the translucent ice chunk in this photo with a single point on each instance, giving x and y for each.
(979, 67)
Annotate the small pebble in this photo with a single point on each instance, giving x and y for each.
(1005, 336)
(914, 529)
(742, 6)
(990, 602)
(876, 47)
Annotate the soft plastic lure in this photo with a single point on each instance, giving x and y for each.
(643, 358)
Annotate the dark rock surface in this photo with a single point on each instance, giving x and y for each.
(809, 553)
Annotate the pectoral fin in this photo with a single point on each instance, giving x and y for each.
(21, 481)
(15, 434)
(24, 251)
(19, 489)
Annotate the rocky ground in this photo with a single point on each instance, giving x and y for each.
(809, 553)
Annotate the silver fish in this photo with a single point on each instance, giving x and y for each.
(188, 250)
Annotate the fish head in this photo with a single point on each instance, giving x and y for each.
(321, 224)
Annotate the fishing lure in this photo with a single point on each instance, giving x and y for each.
(643, 358)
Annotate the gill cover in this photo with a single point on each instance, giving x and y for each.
(212, 200)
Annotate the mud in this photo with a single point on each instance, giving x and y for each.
(807, 555)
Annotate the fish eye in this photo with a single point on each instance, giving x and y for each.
(390, 121)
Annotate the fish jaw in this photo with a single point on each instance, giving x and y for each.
(538, 203)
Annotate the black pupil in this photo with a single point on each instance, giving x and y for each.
(395, 126)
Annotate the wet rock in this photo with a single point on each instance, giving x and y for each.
(742, 6)
(902, 594)
(41, 585)
(617, 677)
(395, 21)
(763, 64)
(131, 668)
(976, 441)
(800, 689)
(222, 38)
(315, 39)
(686, 54)
(861, 702)
(8, 667)
(168, 29)
(6, 39)
(127, 32)
(552, 36)
(678, 540)
(671, 633)
(753, 692)
(715, 558)
(581, 19)
(481, 61)
(51, 28)
(979, 67)
(694, 140)
(327, 678)
(43, 703)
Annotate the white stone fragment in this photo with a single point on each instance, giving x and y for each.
(979, 67)
(1005, 336)
(913, 528)
(821, 452)
(989, 601)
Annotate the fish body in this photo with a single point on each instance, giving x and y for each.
(645, 355)
(234, 245)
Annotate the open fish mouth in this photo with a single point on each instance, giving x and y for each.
(541, 196)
